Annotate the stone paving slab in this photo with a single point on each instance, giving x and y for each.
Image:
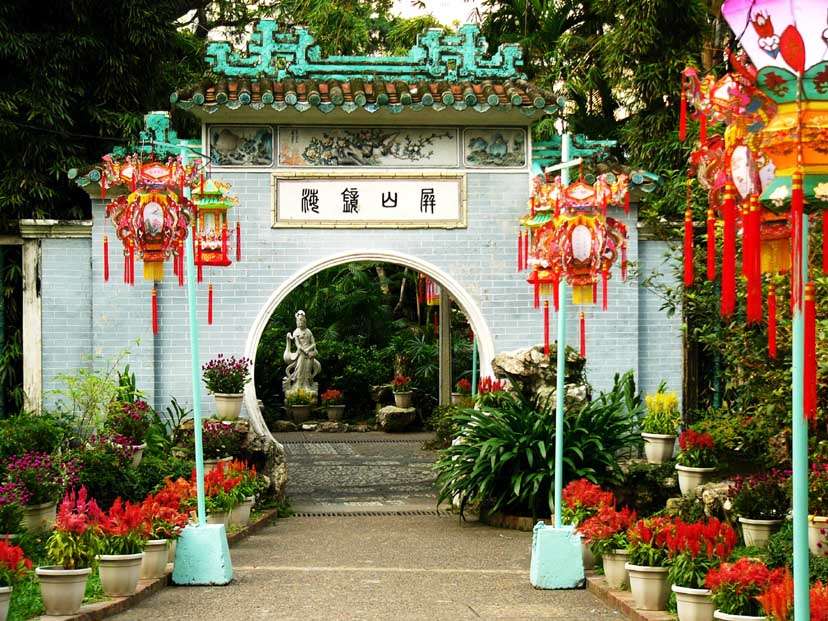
(372, 568)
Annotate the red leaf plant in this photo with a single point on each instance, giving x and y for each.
(693, 549)
(736, 585)
(777, 600)
(14, 566)
(648, 541)
(76, 538)
(583, 499)
(163, 521)
(125, 531)
(221, 491)
(606, 531)
(697, 449)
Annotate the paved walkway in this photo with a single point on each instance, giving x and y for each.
(376, 566)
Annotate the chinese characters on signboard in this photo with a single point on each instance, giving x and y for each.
(377, 201)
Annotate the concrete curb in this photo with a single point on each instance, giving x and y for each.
(622, 601)
(104, 609)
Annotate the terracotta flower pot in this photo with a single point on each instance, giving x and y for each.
(690, 478)
(723, 616)
(154, 564)
(39, 517)
(615, 571)
(757, 532)
(62, 589)
(5, 598)
(649, 586)
(210, 464)
(693, 604)
(403, 399)
(658, 447)
(228, 406)
(241, 513)
(119, 573)
(335, 412)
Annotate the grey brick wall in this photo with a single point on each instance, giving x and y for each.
(106, 318)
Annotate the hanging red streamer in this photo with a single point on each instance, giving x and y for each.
(536, 300)
(126, 268)
(595, 292)
(688, 248)
(772, 321)
(154, 310)
(131, 264)
(180, 260)
(702, 128)
(582, 320)
(810, 383)
(825, 241)
(711, 245)
(729, 253)
(604, 287)
(106, 258)
(526, 249)
(797, 209)
(200, 270)
(224, 240)
(556, 293)
(520, 251)
(238, 241)
(627, 201)
(546, 327)
(682, 133)
(210, 304)
(103, 187)
(624, 260)
(751, 265)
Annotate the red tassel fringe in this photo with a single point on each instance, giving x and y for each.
(224, 241)
(682, 133)
(200, 270)
(702, 128)
(106, 258)
(210, 304)
(751, 265)
(627, 201)
(238, 241)
(154, 310)
(131, 264)
(595, 292)
(180, 259)
(810, 353)
(546, 327)
(520, 251)
(729, 254)
(711, 245)
(688, 248)
(772, 321)
(582, 320)
(604, 287)
(526, 238)
(624, 260)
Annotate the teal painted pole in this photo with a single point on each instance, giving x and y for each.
(802, 604)
(561, 372)
(474, 365)
(195, 362)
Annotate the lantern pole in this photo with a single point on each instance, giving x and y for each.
(800, 448)
(561, 351)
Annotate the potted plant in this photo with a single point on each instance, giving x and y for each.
(248, 487)
(222, 493)
(299, 403)
(14, 566)
(165, 521)
(606, 534)
(220, 442)
(583, 499)
(127, 423)
(693, 550)
(735, 586)
(761, 502)
(44, 478)
(659, 426)
(332, 402)
(13, 498)
(179, 495)
(462, 392)
(402, 390)
(124, 535)
(647, 560)
(71, 549)
(777, 601)
(226, 378)
(818, 509)
(696, 460)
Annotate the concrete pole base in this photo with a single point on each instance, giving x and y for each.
(557, 561)
(202, 556)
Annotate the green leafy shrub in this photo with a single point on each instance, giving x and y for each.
(738, 436)
(154, 467)
(26, 433)
(646, 487)
(506, 456)
(762, 496)
(444, 425)
(107, 473)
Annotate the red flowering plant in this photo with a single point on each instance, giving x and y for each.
(219, 439)
(226, 375)
(583, 499)
(762, 496)
(463, 386)
(401, 383)
(606, 531)
(42, 476)
(76, 537)
(332, 396)
(13, 497)
(694, 549)
(127, 422)
(488, 385)
(251, 483)
(648, 541)
(735, 586)
(222, 489)
(163, 521)
(124, 529)
(696, 450)
(14, 566)
(777, 600)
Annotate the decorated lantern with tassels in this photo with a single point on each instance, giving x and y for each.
(567, 234)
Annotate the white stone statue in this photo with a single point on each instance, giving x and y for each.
(302, 365)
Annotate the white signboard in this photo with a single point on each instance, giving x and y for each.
(348, 200)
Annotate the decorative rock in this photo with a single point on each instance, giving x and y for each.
(309, 426)
(283, 426)
(360, 428)
(272, 454)
(393, 419)
(332, 427)
(535, 373)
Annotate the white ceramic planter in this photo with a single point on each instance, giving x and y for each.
(218, 517)
(39, 517)
(462, 399)
(119, 573)
(138, 454)
(658, 447)
(403, 399)
(649, 586)
(693, 604)
(5, 598)
(690, 478)
(818, 535)
(300, 413)
(587, 556)
(210, 464)
(615, 571)
(335, 412)
(241, 513)
(171, 551)
(62, 589)
(723, 616)
(154, 564)
(228, 406)
(756, 532)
